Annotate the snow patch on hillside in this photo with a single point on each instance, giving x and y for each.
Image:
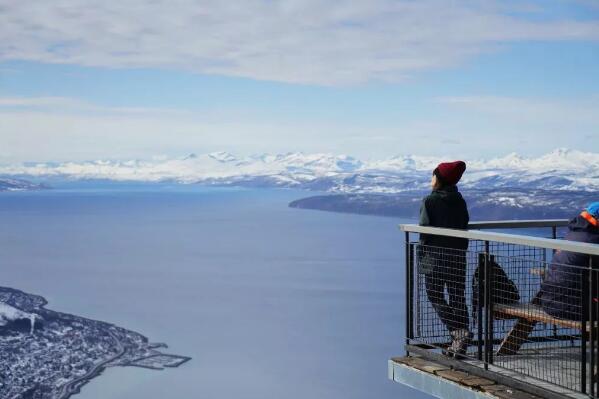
(10, 314)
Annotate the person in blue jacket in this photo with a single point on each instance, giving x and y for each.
(561, 291)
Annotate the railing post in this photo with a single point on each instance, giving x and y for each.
(481, 302)
(553, 236)
(489, 333)
(409, 291)
(584, 317)
(592, 322)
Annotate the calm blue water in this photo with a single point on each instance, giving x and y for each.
(270, 302)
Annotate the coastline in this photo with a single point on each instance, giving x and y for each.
(91, 344)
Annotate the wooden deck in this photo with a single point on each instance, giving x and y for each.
(556, 371)
(444, 382)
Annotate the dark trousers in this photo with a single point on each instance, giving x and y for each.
(449, 273)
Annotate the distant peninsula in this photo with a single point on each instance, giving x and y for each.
(10, 184)
(51, 355)
(490, 204)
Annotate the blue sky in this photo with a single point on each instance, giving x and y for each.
(473, 78)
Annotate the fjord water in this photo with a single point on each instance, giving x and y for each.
(270, 302)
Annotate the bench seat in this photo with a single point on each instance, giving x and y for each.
(527, 316)
(532, 313)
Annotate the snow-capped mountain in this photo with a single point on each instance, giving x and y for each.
(559, 170)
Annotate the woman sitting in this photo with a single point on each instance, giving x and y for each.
(561, 291)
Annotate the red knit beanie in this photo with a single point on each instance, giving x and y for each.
(450, 172)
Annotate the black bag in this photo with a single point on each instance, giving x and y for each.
(505, 291)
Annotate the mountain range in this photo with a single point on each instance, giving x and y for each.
(561, 169)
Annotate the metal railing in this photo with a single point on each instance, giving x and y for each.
(497, 306)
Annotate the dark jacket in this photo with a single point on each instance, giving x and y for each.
(444, 208)
(561, 290)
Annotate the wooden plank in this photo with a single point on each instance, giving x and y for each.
(420, 364)
(495, 388)
(408, 360)
(453, 375)
(431, 367)
(474, 381)
(533, 313)
(516, 337)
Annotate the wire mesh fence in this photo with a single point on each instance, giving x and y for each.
(508, 305)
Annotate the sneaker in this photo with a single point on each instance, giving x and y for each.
(459, 345)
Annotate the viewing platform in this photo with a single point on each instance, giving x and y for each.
(517, 347)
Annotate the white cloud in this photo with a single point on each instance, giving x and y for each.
(549, 112)
(71, 129)
(60, 128)
(37, 102)
(296, 41)
(523, 123)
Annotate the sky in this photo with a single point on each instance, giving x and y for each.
(83, 80)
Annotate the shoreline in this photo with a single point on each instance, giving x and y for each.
(37, 355)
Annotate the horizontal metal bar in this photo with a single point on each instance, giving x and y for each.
(518, 224)
(560, 245)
